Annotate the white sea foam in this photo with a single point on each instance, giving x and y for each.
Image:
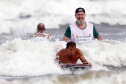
(23, 57)
(35, 57)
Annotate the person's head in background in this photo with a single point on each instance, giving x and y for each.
(40, 28)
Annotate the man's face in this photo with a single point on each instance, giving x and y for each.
(71, 51)
(80, 17)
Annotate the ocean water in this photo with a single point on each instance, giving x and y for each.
(25, 60)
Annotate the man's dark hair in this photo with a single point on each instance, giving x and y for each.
(71, 43)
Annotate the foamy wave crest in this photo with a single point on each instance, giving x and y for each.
(27, 57)
(107, 52)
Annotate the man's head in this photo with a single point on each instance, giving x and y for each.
(40, 28)
(71, 48)
(80, 15)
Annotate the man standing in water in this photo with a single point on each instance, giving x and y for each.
(40, 31)
(71, 54)
(81, 31)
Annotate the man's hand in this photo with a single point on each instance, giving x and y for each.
(85, 62)
(65, 38)
(99, 37)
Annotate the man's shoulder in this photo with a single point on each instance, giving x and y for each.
(62, 50)
(78, 49)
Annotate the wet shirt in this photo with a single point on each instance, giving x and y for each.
(81, 35)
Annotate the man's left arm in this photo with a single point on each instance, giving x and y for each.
(95, 33)
(99, 37)
(82, 58)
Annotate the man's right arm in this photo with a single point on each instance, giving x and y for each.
(67, 34)
(57, 57)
